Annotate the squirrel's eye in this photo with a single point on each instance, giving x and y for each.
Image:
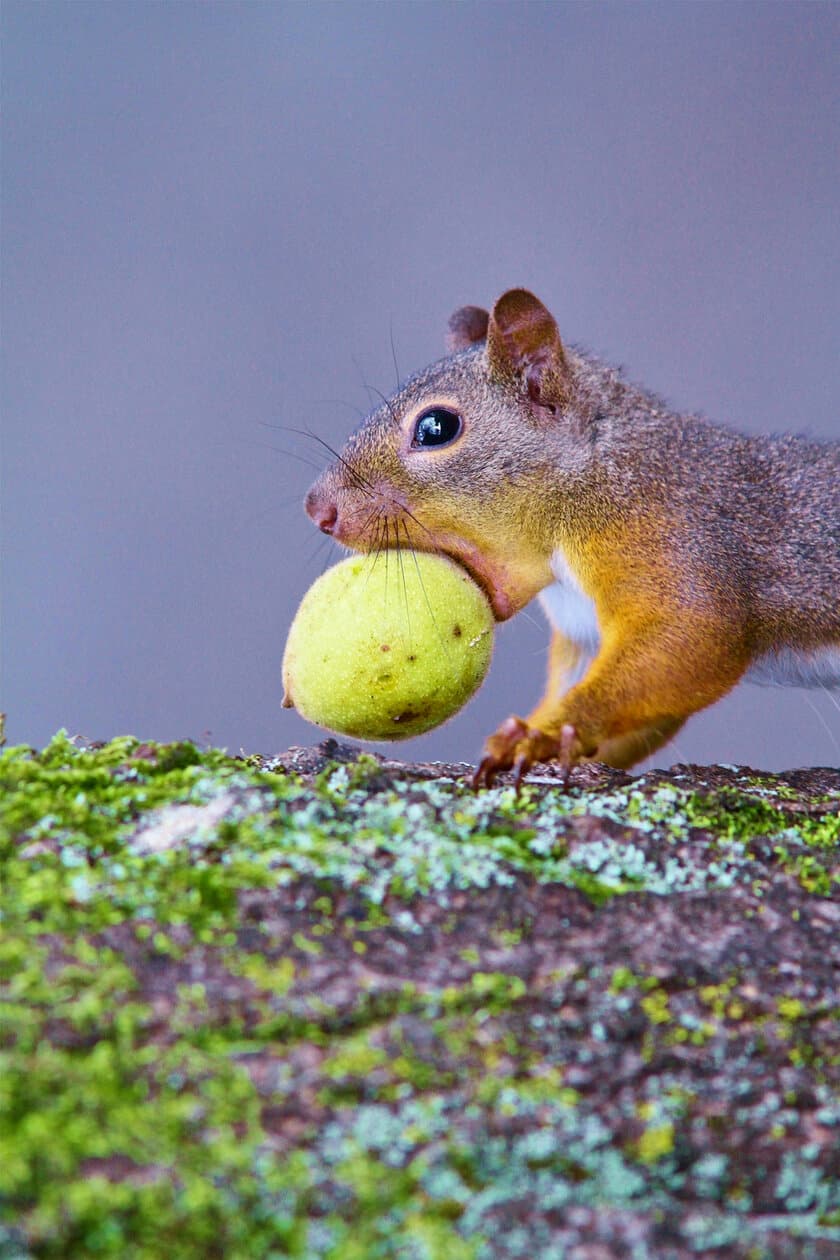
(436, 427)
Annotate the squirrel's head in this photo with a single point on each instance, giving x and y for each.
(459, 459)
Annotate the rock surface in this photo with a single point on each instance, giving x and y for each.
(324, 1005)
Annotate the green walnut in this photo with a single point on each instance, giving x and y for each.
(388, 646)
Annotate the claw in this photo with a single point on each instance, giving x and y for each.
(499, 752)
(568, 735)
(484, 775)
(521, 766)
(516, 746)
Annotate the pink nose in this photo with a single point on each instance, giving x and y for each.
(322, 511)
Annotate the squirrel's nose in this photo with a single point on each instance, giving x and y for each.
(322, 511)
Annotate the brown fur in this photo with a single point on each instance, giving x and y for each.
(701, 548)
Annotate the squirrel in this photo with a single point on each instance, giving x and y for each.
(673, 556)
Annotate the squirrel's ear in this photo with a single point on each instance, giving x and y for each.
(522, 340)
(466, 326)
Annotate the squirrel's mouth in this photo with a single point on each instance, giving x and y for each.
(498, 599)
(498, 585)
(487, 577)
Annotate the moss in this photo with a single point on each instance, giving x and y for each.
(622, 978)
(655, 1006)
(655, 1143)
(790, 1008)
(733, 815)
(207, 1047)
(89, 801)
(275, 976)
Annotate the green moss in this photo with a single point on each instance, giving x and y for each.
(733, 815)
(811, 869)
(94, 804)
(790, 1008)
(655, 1006)
(655, 1143)
(276, 976)
(622, 978)
(238, 1113)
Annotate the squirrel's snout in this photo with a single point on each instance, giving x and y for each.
(322, 510)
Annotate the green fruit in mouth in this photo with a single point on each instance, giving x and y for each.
(388, 646)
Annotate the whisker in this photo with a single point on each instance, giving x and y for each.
(267, 446)
(314, 437)
(316, 547)
(373, 524)
(413, 552)
(377, 526)
(327, 562)
(371, 520)
(828, 692)
(531, 619)
(382, 538)
(401, 565)
(387, 555)
(357, 365)
(394, 354)
(822, 719)
(360, 482)
(406, 512)
(386, 402)
(322, 554)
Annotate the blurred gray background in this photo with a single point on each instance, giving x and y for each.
(216, 217)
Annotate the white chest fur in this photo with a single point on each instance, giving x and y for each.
(569, 609)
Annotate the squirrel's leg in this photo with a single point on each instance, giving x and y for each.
(567, 664)
(622, 751)
(626, 750)
(631, 700)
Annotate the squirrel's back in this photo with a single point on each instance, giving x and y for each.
(764, 509)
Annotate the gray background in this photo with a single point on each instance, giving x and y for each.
(215, 217)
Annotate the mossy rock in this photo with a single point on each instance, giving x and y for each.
(326, 1005)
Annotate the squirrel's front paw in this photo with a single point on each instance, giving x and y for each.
(517, 746)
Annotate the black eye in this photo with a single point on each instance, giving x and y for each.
(436, 427)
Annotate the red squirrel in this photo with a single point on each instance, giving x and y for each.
(673, 556)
